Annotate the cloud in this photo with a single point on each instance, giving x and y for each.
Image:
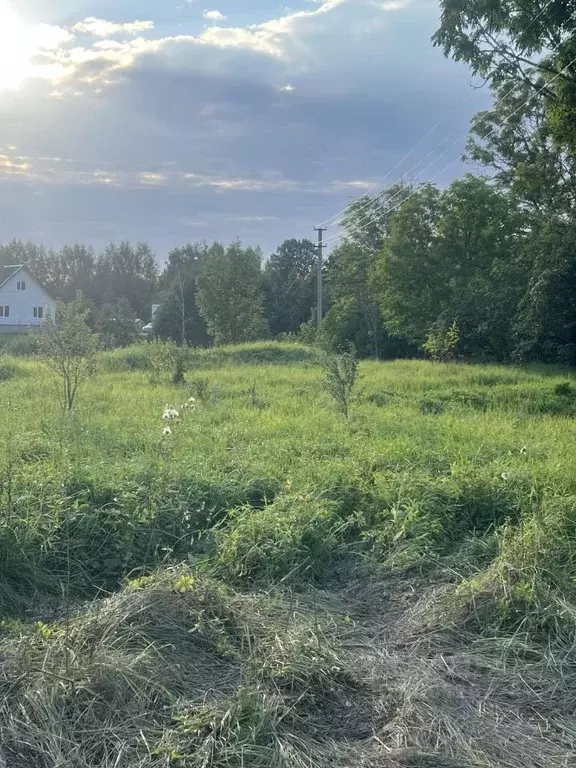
(214, 15)
(102, 28)
(393, 5)
(255, 130)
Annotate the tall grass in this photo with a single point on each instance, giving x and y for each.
(463, 473)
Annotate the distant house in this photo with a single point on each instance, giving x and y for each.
(24, 303)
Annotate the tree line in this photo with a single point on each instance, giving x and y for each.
(484, 269)
(463, 271)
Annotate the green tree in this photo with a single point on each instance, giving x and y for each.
(290, 286)
(129, 272)
(452, 256)
(178, 317)
(68, 347)
(230, 294)
(518, 42)
(545, 323)
(478, 234)
(355, 314)
(514, 140)
(116, 324)
(410, 278)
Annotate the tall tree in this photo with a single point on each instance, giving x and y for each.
(525, 42)
(178, 317)
(290, 286)
(355, 312)
(410, 278)
(230, 294)
(355, 315)
(451, 257)
(125, 271)
(545, 323)
(478, 237)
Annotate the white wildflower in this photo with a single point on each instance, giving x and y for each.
(166, 431)
(504, 476)
(192, 400)
(170, 413)
(523, 450)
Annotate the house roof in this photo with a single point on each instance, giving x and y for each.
(7, 272)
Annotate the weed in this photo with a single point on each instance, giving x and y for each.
(200, 388)
(340, 377)
(564, 389)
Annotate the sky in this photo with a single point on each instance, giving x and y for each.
(174, 121)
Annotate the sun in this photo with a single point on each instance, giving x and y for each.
(16, 49)
(19, 45)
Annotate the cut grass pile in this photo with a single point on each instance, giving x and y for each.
(175, 669)
(252, 654)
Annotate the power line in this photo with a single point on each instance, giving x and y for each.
(331, 219)
(445, 168)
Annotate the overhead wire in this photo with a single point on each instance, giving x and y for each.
(331, 220)
(448, 165)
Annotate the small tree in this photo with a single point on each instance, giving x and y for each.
(341, 371)
(441, 343)
(68, 347)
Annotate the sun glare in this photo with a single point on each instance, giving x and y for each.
(20, 43)
(16, 49)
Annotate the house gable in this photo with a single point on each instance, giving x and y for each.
(24, 302)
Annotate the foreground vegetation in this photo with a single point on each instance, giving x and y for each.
(261, 581)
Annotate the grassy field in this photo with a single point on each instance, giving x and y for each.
(263, 582)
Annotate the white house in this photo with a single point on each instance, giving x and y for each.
(24, 303)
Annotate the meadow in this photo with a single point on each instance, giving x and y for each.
(262, 581)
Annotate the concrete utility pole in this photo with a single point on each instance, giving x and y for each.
(320, 247)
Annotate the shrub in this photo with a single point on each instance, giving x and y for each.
(178, 377)
(162, 357)
(341, 372)
(200, 389)
(441, 343)
(68, 347)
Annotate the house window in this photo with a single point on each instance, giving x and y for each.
(38, 312)
(4, 311)
(21, 285)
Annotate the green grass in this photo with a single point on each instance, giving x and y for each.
(463, 474)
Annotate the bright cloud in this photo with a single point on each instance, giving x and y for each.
(101, 28)
(214, 15)
(20, 43)
(59, 55)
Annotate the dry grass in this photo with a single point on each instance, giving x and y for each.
(451, 698)
(174, 670)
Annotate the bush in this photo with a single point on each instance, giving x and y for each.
(441, 343)
(162, 358)
(341, 371)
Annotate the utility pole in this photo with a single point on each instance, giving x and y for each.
(320, 247)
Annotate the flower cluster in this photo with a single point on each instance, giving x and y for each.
(173, 413)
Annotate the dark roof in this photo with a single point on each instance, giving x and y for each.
(7, 272)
